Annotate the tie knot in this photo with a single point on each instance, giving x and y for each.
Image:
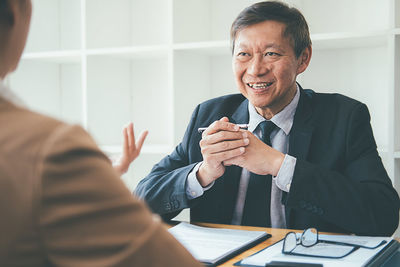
(266, 129)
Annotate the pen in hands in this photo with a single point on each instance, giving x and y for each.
(224, 144)
(131, 148)
(221, 141)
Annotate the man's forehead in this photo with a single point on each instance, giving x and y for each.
(247, 44)
(274, 25)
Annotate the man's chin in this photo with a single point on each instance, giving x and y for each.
(260, 104)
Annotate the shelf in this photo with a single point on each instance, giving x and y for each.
(344, 15)
(202, 77)
(396, 31)
(126, 23)
(397, 155)
(68, 56)
(51, 88)
(205, 48)
(348, 40)
(320, 41)
(55, 25)
(154, 51)
(124, 90)
(146, 149)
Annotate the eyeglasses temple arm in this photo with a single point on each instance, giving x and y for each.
(349, 244)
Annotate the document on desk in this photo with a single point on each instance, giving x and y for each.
(357, 258)
(215, 245)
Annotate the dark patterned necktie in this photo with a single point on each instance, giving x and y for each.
(256, 211)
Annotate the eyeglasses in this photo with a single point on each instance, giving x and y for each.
(310, 238)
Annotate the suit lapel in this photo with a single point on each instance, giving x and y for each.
(301, 132)
(300, 135)
(232, 174)
(241, 115)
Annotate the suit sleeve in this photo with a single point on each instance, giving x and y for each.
(164, 189)
(88, 217)
(360, 198)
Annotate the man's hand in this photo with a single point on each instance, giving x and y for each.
(258, 158)
(131, 149)
(221, 141)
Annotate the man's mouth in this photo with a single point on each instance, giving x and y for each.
(260, 85)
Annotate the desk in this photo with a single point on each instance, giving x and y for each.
(277, 234)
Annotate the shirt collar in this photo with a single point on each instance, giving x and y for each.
(8, 95)
(283, 119)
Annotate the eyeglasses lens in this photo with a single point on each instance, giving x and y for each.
(309, 237)
(290, 242)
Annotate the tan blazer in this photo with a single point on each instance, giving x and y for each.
(62, 204)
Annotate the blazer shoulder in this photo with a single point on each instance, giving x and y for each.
(332, 101)
(224, 103)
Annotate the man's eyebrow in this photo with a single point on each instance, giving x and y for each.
(273, 45)
(269, 45)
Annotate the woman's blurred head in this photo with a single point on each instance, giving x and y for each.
(15, 16)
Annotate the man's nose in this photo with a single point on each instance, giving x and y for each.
(258, 66)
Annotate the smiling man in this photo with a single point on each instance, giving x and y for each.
(306, 160)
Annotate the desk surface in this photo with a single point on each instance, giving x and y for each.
(277, 234)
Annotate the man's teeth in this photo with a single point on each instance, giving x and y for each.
(259, 85)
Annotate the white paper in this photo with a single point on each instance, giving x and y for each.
(322, 249)
(210, 244)
(357, 258)
(370, 241)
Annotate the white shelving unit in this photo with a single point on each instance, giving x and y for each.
(102, 63)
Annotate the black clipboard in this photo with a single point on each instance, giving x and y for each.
(382, 259)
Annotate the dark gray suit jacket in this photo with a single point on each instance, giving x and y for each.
(339, 183)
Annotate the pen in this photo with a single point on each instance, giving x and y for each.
(241, 126)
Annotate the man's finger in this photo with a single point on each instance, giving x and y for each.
(224, 136)
(221, 125)
(226, 155)
(225, 146)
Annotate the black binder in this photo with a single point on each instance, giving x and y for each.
(387, 257)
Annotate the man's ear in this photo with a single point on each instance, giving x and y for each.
(304, 59)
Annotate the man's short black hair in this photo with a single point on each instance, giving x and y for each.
(296, 25)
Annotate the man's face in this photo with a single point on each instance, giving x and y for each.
(265, 66)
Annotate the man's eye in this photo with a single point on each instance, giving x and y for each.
(243, 54)
(271, 54)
